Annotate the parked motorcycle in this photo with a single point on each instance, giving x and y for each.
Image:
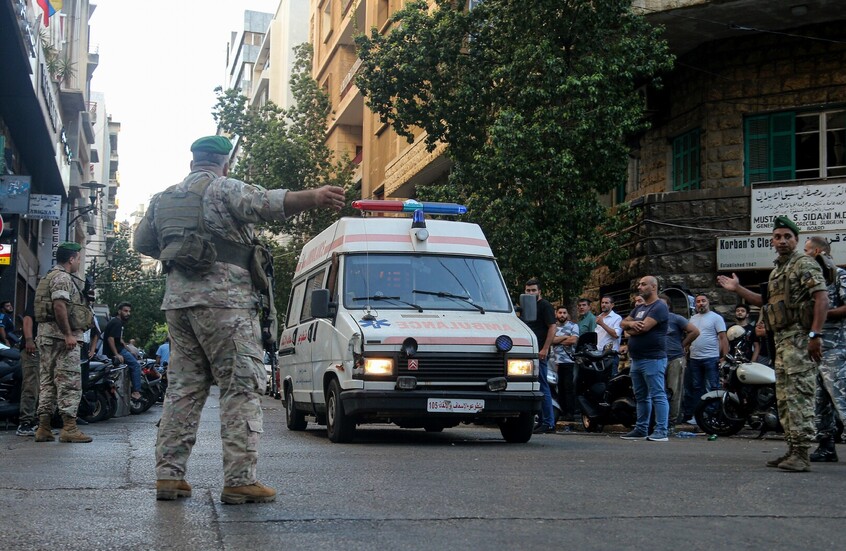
(11, 378)
(98, 400)
(748, 397)
(604, 400)
(151, 388)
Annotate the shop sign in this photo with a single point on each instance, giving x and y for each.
(818, 207)
(755, 252)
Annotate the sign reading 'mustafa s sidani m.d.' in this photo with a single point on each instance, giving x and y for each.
(814, 207)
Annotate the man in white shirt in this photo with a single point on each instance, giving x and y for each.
(703, 371)
(608, 331)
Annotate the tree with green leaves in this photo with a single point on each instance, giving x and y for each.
(534, 100)
(286, 149)
(122, 279)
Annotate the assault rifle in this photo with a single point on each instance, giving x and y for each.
(269, 330)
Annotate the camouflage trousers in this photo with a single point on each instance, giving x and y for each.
(59, 378)
(831, 384)
(220, 346)
(795, 387)
(675, 383)
(31, 366)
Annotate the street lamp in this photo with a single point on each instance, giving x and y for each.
(94, 195)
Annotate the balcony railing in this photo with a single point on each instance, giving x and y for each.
(347, 83)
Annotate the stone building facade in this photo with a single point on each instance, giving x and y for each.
(746, 111)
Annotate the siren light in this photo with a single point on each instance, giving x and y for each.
(409, 205)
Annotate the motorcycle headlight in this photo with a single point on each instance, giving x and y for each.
(518, 367)
(378, 366)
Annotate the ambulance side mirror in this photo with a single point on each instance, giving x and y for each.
(528, 307)
(320, 303)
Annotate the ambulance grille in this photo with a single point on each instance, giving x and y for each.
(471, 368)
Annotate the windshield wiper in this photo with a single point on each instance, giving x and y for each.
(444, 294)
(379, 296)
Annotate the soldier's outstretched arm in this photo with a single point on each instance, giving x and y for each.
(331, 197)
(733, 284)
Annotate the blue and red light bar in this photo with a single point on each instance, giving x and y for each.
(410, 205)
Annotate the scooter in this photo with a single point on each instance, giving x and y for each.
(151, 389)
(748, 397)
(604, 400)
(11, 379)
(98, 400)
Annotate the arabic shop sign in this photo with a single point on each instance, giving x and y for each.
(755, 252)
(818, 207)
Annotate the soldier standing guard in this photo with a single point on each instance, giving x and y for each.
(63, 315)
(202, 230)
(794, 309)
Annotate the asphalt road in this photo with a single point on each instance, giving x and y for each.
(408, 489)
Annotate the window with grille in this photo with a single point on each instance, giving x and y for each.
(686, 173)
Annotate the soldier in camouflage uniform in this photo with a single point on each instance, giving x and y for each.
(795, 309)
(63, 314)
(213, 317)
(831, 379)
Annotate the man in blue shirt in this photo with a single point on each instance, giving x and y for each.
(163, 353)
(647, 329)
(680, 333)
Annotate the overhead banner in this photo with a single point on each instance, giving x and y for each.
(755, 252)
(817, 207)
(45, 207)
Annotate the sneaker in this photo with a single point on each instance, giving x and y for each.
(657, 437)
(691, 421)
(543, 429)
(634, 435)
(25, 429)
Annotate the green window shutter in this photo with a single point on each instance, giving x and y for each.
(757, 149)
(686, 174)
(783, 132)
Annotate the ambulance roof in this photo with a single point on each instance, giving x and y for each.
(392, 235)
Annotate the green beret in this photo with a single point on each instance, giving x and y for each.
(71, 246)
(785, 222)
(212, 144)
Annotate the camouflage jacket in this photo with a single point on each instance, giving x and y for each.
(836, 299)
(230, 210)
(62, 287)
(804, 278)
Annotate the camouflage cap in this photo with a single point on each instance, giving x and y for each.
(71, 246)
(212, 144)
(785, 222)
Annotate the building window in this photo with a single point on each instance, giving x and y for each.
(686, 173)
(795, 146)
(326, 22)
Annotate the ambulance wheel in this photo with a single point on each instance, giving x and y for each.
(294, 420)
(339, 426)
(517, 430)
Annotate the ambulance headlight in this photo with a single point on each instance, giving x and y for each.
(378, 366)
(520, 367)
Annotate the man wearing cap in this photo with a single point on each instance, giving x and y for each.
(212, 310)
(63, 315)
(794, 308)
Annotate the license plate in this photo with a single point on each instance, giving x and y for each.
(456, 405)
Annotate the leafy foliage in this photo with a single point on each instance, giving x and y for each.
(534, 101)
(286, 149)
(124, 280)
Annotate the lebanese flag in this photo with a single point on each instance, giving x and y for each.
(49, 7)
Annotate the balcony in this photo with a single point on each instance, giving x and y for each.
(349, 79)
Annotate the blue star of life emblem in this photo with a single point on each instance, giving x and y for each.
(375, 324)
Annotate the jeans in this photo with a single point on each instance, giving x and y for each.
(650, 393)
(615, 364)
(701, 376)
(547, 415)
(134, 369)
(566, 389)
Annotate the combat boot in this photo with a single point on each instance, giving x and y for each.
(44, 433)
(70, 432)
(798, 462)
(167, 490)
(825, 452)
(254, 493)
(775, 462)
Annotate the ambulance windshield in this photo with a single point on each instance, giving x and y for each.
(430, 282)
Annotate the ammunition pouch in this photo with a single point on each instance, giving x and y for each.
(260, 260)
(191, 254)
(777, 316)
(80, 317)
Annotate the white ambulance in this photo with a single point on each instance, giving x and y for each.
(406, 320)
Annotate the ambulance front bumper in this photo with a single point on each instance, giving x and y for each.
(441, 403)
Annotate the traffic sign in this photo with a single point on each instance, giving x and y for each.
(5, 255)
(1, 223)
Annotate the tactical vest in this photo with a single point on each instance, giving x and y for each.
(80, 316)
(781, 312)
(184, 241)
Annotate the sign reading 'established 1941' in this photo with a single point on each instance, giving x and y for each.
(817, 207)
(755, 252)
